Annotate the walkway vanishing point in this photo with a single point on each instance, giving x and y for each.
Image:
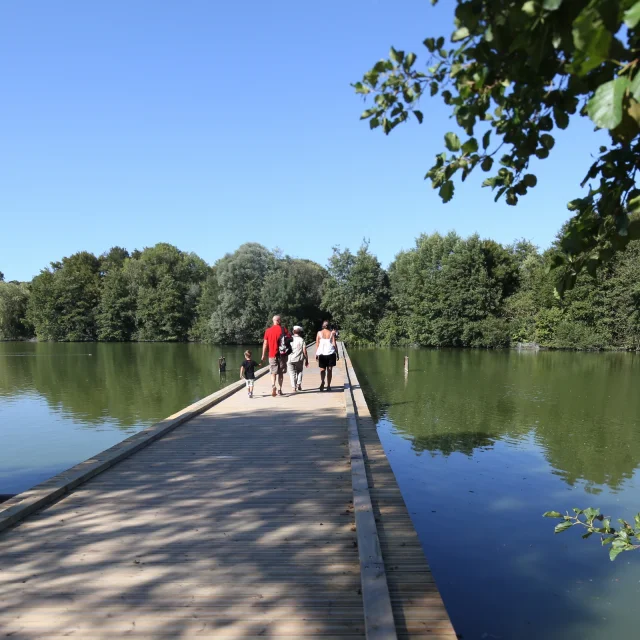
(234, 518)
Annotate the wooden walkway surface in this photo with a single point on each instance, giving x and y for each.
(237, 524)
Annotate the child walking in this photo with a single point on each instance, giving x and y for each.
(297, 359)
(248, 372)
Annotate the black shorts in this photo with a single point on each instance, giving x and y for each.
(327, 361)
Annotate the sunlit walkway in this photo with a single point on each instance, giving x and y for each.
(238, 524)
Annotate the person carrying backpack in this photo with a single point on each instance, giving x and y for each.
(277, 342)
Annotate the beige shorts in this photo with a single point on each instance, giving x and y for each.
(278, 364)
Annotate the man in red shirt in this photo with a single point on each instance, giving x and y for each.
(277, 360)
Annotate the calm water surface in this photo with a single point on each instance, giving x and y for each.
(62, 403)
(482, 443)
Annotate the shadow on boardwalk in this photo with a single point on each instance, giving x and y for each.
(236, 525)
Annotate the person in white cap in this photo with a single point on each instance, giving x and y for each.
(297, 359)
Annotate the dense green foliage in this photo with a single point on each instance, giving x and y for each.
(446, 291)
(356, 294)
(64, 299)
(13, 310)
(163, 294)
(515, 72)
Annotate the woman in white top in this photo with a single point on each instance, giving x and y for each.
(326, 354)
(297, 359)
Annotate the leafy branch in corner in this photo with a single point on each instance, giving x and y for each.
(517, 71)
(626, 538)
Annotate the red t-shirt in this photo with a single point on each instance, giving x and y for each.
(272, 335)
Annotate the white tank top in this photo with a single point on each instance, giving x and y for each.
(325, 348)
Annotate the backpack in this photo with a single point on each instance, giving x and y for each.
(284, 344)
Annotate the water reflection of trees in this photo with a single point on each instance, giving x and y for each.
(580, 408)
(125, 384)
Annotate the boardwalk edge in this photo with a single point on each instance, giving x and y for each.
(378, 612)
(24, 504)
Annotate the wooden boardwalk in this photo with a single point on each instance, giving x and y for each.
(239, 523)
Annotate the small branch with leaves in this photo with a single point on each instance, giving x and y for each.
(626, 538)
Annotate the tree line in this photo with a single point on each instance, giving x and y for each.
(446, 291)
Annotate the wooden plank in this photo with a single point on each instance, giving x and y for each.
(378, 613)
(417, 605)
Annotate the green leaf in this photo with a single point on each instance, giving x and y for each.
(487, 163)
(452, 142)
(590, 513)
(605, 108)
(460, 34)
(418, 115)
(632, 16)
(587, 535)
(551, 5)
(634, 87)
(409, 60)
(552, 514)
(396, 56)
(470, 146)
(592, 40)
(561, 117)
(446, 191)
(486, 139)
(430, 43)
(563, 526)
(577, 511)
(615, 552)
(530, 8)
(368, 113)
(530, 180)
(547, 141)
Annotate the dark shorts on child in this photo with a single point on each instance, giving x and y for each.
(327, 361)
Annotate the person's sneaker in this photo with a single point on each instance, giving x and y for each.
(299, 387)
(274, 393)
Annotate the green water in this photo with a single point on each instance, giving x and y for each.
(62, 403)
(482, 443)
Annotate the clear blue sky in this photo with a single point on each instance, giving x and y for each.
(208, 124)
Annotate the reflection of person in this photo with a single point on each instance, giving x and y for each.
(326, 354)
(297, 359)
(277, 342)
(222, 364)
(248, 372)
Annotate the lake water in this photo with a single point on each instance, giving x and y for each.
(482, 443)
(62, 403)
